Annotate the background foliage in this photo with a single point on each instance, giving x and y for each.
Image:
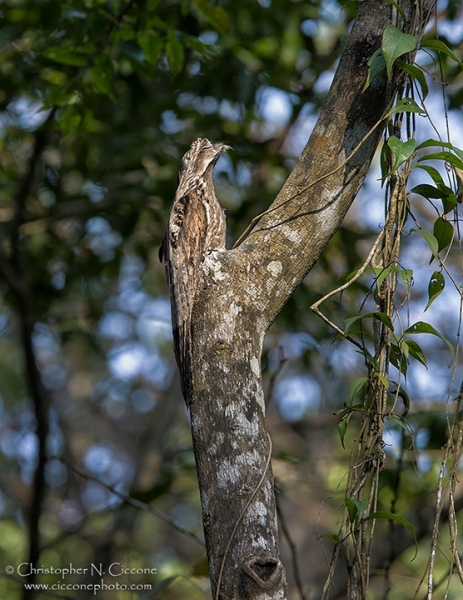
(99, 100)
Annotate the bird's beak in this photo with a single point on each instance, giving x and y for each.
(222, 148)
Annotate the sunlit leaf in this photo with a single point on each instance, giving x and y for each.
(407, 278)
(422, 327)
(413, 349)
(446, 156)
(430, 240)
(439, 46)
(406, 105)
(401, 151)
(395, 43)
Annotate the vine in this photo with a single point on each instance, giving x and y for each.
(389, 345)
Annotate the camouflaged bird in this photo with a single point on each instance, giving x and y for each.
(196, 228)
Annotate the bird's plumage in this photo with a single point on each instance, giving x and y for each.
(196, 227)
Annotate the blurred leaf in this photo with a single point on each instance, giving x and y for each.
(215, 15)
(175, 53)
(151, 44)
(64, 56)
(102, 75)
(332, 537)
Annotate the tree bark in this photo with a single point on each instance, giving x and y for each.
(242, 290)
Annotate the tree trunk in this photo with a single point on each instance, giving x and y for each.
(242, 290)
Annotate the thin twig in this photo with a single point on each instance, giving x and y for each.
(132, 501)
(359, 273)
(293, 550)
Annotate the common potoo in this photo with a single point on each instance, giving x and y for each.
(196, 228)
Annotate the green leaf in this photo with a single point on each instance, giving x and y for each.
(399, 9)
(381, 274)
(352, 509)
(417, 74)
(386, 319)
(381, 514)
(398, 359)
(332, 537)
(422, 327)
(407, 278)
(151, 44)
(410, 347)
(64, 56)
(342, 426)
(401, 151)
(444, 155)
(432, 143)
(439, 46)
(428, 191)
(355, 508)
(435, 287)
(385, 162)
(175, 53)
(406, 105)
(430, 240)
(355, 387)
(215, 15)
(102, 75)
(402, 394)
(433, 173)
(377, 65)
(443, 232)
(395, 43)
